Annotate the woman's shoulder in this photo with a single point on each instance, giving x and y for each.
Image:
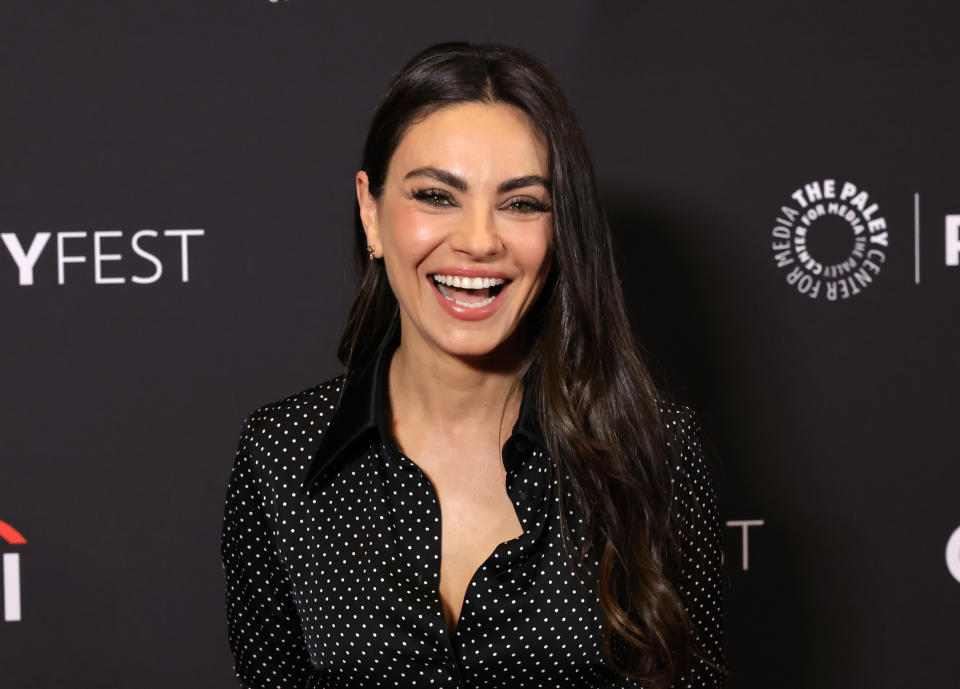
(312, 403)
(277, 437)
(694, 490)
(681, 425)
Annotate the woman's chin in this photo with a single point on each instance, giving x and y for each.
(483, 348)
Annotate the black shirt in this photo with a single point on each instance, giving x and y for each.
(331, 550)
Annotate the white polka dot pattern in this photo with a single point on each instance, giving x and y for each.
(696, 518)
(336, 586)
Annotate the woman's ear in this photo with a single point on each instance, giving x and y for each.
(368, 212)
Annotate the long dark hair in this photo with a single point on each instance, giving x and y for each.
(597, 401)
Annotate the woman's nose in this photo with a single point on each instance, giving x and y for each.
(477, 234)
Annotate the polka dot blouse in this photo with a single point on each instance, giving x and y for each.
(331, 551)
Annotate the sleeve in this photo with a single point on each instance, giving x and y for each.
(696, 513)
(263, 625)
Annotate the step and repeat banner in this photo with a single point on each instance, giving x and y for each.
(176, 200)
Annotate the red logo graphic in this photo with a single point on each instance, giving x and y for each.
(11, 574)
(11, 535)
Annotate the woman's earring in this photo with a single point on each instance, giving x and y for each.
(370, 252)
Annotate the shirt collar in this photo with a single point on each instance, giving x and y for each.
(363, 409)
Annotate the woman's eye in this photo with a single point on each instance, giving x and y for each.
(527, 205)
(433, 197)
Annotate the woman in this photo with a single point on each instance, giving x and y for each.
(494, 493)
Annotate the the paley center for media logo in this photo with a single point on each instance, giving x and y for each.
(11, 572)
(830, 239)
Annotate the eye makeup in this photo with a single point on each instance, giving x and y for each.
(438, 198)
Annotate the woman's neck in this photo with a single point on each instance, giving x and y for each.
(437, 397)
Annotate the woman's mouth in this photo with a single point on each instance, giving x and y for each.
(471, 293)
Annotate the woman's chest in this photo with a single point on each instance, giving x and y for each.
(476, 517)
(379, 570)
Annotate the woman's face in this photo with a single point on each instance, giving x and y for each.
(466, 197)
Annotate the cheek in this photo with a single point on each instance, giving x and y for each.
(410, 234)
(533, 247)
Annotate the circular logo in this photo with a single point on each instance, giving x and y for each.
(953, 554)
(830, 240)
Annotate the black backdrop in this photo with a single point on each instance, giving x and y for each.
(831, 423)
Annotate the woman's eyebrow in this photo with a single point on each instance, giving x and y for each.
(440, 175)
(461, 185)
(523, 181)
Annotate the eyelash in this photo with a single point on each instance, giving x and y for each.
(428, 195)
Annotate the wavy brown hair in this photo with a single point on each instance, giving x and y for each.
(597, 402)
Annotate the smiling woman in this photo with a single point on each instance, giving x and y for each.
(493, 493)
(465, 198)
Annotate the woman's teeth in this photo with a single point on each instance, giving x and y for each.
(465, 283)
(468, 283)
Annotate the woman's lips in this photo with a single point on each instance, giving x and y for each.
(447, 298)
